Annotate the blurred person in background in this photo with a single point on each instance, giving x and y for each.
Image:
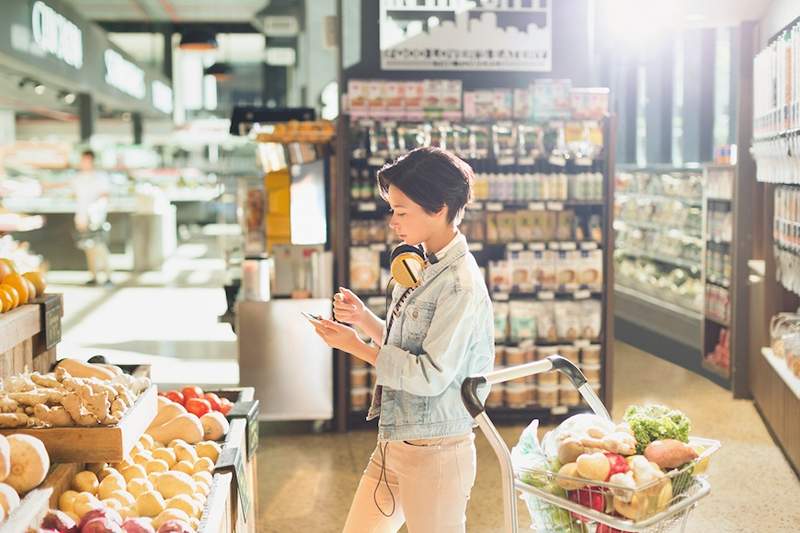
(91, 188)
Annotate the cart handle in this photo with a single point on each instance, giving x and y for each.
(469, 388)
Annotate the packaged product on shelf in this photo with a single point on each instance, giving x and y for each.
(506, 226)
(499, 276)
(478, 105)
(514, 356)
(564, 225)
(501, 311)
(545, 268)
(492, 231)
(567, 269)
(551, 99)
(528, 348)
(521, 264)
(532, 395)
(591, 372)
(524, 228)
(496, 396)
(359, 377)
(590, 102)
(590, 269)
(596, 228)
(791, 349)
(413, 94)
(591, 314)
(499, 355)
(570, 352)
(568, 320)
(547, 395)
(590, 354)
(543, 352)
(522, 320)
(355, 363)
(569, 395)
(530, 143)
(359, 399)
(545, 324)
(522, 104)
(394, 95)
(358, 98)
(504, 143)
(365, 269)
(376, 100)
(516, 396)
(503, 105)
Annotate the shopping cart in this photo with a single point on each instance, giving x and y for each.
(657, 507)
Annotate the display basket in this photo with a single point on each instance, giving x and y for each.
(664, 504)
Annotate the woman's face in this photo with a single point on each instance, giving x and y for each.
(412, 224)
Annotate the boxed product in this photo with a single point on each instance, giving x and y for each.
(478, 105)
(568, 320)
(503, 104)
(376, 99)
(564, 225)
(492, 232)
(545, 324)
(526, 229)
(358, 97)
(451, 99)
(365, 269)
(413, 94)
(499, 276)
(590, 272)
(545, 269)
(522, 273)
(591, 318)
(567, 266)
(522, 104)
(394, 98)
(501, 310)
(589, 103)
(551, 99)
(522, 321)
(506, 226)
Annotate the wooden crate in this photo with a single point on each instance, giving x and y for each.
(97, 444)
(28, 335)
(218, 514)
(35, 505)
(244, 489)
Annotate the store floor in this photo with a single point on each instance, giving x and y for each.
(168, 319)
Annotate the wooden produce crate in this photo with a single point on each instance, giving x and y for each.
(29, 334)
(35, 505)
(97, 444)
(218, 515)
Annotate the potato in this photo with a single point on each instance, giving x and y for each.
(125, 498)
(204, 477)
(5, 458)
(86, 481)
(9, 499)
(569, 470)
(156, 465)
(153, 477)
(134, 472)
(147, 441)
(185, 503)
(176, 442)
(184, 466)
(170, 514)
(203, 489)
(593, 466)
(105, 472)
(150, 503)
(85, 502)
(167, 455)
(142, 458)
(184, 452)
(203, 464)
(174, 483)
(137, 486)
(208, 449)
(110, 484)
(112, 504)
(66, 500)
(127, 512)
(29, 462)
(669, 453)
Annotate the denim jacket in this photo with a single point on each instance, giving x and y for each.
(443, 334)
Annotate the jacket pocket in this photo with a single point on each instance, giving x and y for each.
(412, 409)
(416, 323)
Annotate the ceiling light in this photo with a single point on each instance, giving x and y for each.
(198, 41)
(39, 89)
(69, 98)
(126, 116)
(221, 71)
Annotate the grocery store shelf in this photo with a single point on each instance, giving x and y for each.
(654, 314)
(779, 365)
(661, 228)
(691, 202)
(716, 199)
(677, 261)
(717, 321)
(724, 373)
(718, 282)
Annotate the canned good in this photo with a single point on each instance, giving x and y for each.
(549, 378)
(499, 356)
(548, 395)
(359, 398)
(528, 351)
(359, 377)
(514, 356)
(496, 396)
(592, 372)
(569, 395)
(516, 396)
(570, 352)
(542, 352)
(591, 354)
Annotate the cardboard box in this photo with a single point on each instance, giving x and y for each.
(358, 97)
(551, 99)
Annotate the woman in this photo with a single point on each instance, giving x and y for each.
(437, 334)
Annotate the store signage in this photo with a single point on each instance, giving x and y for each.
(281, 26)
(162, 96)
(497, 35)
(124, 75)
(56, 35)
(280, 56)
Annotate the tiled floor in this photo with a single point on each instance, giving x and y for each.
(307, 480)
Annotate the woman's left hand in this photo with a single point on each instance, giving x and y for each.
(338, 336)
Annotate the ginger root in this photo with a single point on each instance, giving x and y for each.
(7, 405)
(72, 403)
(47, 381)
(13, 420)
(52, 416)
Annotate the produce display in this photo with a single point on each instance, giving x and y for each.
(158, 489)
(190, 415)
(23, 466)
(18, 289)
(75, 394)
(631, 470)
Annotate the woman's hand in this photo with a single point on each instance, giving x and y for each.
(344, 338)
(348, 308)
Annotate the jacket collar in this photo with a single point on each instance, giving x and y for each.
(454, 250)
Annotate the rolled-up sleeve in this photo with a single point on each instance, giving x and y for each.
(446, 344)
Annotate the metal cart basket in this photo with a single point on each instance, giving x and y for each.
(656, 507)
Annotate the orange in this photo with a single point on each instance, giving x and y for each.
(18, 282)
(5, 270)
(9, 263)
(32, 292)
(38, 281)
(12, 293)
(6, 301)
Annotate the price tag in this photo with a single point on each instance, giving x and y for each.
(525, 160)
(536, 246)
(569, 246)
(536, 206)
(505, 161)
(475, 206)
(377, 247)
(475, 246)
(494, 206)
(582, 343)
(559, 410)
(500, 296)
(557, 160)
(588, 246)
(583, 161)
(555, 206)
(367, 206)
(582, 295)
(546, 295)
(241, 484)
(367, 122)
(515, 246)
(376, 161)
(553, 245)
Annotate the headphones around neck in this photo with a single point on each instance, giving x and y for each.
(407, 264)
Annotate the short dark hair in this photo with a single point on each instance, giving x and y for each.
(432, 178)
(87, 153)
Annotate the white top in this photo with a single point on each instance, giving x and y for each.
(91, 190)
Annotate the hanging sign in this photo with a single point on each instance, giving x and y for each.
(496, 35)
(56, 35)
(124, 75)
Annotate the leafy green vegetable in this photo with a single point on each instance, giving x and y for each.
(656, 422)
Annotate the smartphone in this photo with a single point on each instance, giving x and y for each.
(311, 317)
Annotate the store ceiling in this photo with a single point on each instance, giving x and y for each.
(176, 11)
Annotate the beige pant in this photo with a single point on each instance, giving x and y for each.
(430, 482)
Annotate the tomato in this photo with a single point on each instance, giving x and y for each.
(192, 392)
(602, 528)
(175, 396)
(225, 406)
(198, 406)
(591, 497)
(619, 465)
(214, 400)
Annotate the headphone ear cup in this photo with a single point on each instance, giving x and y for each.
(408, 249)
(407, 264)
